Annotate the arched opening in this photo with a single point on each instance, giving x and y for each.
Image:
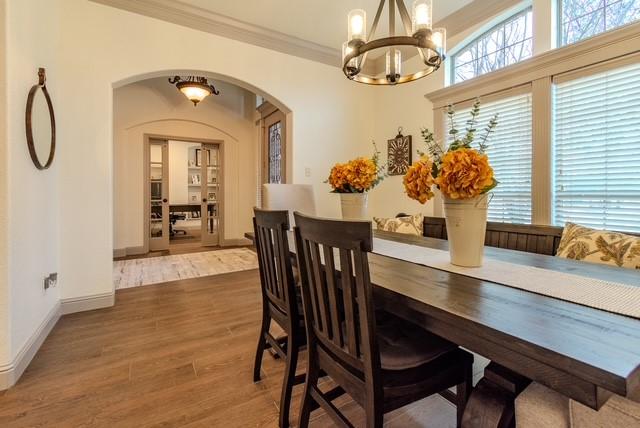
(148, 110)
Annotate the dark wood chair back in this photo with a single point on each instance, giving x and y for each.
(338, 298)
(274, 261)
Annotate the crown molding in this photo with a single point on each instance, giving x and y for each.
(197, 18)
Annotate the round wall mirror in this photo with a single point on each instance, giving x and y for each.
(40, 124)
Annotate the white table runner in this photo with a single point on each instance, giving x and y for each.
(613, 297)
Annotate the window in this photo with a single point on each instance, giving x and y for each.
(510, 156)
(597, 150)
(275, 153)
(581, 19)
(507, 43)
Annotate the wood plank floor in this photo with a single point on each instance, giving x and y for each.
(172, 355)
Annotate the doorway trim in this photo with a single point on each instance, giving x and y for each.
(147, 190)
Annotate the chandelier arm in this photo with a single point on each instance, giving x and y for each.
(392, 32)
(376, 20)
(404, 14)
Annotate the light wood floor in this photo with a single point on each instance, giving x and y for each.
(170, 355)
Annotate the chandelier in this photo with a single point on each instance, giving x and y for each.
(418, 33)
(195, 88)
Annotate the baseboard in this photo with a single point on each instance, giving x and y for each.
(87, 303)
(236, 242)
(10, 373)
(129, 251)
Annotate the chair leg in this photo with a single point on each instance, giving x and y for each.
(264, 329)
(463, 392)
(287, 385)
(312, 381)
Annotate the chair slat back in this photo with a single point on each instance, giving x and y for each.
(274, 260)
(336, 288)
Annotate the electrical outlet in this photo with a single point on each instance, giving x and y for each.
(307, 172)
(51, 280)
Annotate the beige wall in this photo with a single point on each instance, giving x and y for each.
(5, 336)
(156, 107)
(30, 202)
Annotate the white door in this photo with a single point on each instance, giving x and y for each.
(211, 193)
(158, 195)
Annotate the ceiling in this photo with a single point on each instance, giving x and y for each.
(320, 21)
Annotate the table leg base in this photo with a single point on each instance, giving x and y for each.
(492, 401)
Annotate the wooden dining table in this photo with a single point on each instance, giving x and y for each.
(583, 353)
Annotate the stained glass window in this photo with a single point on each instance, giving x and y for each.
(507, 43)
(275, 153)
(581, 19)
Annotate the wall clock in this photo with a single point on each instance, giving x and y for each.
(399, 154)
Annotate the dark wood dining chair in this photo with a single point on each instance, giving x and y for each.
(381, 361)
(280, 301)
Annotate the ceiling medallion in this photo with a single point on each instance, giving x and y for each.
(195, 88)
(430, 43)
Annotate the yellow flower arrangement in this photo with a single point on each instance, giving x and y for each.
(464, 174)
(418, 180)
(461, 172)
(356, 176)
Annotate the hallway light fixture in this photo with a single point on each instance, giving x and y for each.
(419, 33)
(195, 88)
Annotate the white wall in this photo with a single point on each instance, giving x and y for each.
(5, 336)
(31, 202)
(156, 107)
(329, 115)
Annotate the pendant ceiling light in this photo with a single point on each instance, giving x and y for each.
(195, 88)
(418, 34)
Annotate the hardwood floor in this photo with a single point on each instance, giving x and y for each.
(173, 355)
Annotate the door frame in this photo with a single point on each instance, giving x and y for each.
(147, 188)
(269, 115)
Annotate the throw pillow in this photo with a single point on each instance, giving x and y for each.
(411, 225)
(599, 246)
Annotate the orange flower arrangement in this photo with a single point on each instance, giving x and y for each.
(464, 174)
(418, 180)
(461, 172)
(356, 176)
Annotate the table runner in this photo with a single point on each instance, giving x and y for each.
(623, 299)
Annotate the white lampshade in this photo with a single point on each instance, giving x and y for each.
(421, 15)
(195, 93)
(357, 25)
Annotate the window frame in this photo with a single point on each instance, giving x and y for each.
(502, 23)
(610, 46)
(560, 24)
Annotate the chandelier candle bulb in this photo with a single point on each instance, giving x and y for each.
(421, 16)
(439, 38)
(393, 65)
(352, 65)
(357, 25)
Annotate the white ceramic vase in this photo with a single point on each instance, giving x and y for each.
(466, 226)
(354, 206)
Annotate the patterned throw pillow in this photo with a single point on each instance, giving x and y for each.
(411, 225)
(599, 246)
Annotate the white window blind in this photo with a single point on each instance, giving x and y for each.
(597, 150)
(509, 154)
